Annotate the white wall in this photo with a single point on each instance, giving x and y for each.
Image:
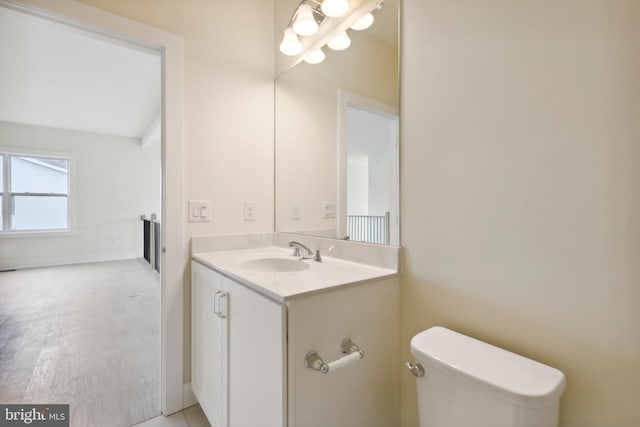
(114, 181)
(380, 183)
(228, 110)
(520, 201)
(373, 136)
(358, 185)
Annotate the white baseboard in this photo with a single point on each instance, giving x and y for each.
(52, 262)
(188, 398)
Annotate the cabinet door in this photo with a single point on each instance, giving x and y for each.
(365, 393)
(208, 344)
(256, 358)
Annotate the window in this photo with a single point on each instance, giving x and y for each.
(35, 193)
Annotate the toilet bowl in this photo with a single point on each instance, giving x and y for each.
(464, 382)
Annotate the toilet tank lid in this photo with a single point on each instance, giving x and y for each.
(507, 375)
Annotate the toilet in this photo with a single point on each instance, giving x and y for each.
(464, 382)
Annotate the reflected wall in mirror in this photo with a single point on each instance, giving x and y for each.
(336, 135)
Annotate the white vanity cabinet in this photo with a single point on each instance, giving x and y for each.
(249, 347)
(209, 334)
(237, 370)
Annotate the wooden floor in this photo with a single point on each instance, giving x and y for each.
(87, 335)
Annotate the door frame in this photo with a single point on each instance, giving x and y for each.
(100, 23)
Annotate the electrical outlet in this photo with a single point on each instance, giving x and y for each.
(329, 210)
(249, 210)
(199, 210)
(296, 210)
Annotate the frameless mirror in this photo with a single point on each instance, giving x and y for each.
(336, 134)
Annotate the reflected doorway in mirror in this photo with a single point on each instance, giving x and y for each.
(368, 170)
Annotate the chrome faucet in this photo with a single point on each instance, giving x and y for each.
(298, 249)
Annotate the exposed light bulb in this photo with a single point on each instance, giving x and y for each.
(363, 23)
(334, 8)
(315, 57)
(305, 24)
(290, 44)
(340, 42)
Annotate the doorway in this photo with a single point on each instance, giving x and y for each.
(369, 170)
(82, 163)
(100, 24)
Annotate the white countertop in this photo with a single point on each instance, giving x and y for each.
(283, 286)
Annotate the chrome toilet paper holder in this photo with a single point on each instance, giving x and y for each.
(313, 360)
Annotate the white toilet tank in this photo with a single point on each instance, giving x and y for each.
(469, 383)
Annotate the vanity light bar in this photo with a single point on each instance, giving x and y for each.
(315, 57)
(334, 8)
(363, 23)
(340, 42)
(290, 44)
(306, 21)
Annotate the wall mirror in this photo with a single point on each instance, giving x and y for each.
(336, 127)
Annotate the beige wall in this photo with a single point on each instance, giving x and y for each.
(228, 109)
(520, 217)
(228, 102)
(520, 199)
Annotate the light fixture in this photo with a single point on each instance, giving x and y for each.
(340, 42)
(290, 43)
(315, 56)
(363, 23)
(334, 8)
(304, 23)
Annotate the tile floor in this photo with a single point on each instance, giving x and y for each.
(190, 417)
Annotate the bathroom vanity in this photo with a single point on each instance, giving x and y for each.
(259, 313)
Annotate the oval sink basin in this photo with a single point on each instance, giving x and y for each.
(274, 265)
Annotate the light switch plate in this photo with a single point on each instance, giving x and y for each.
(296, 210)
(199, 210)
(329, 210)
(250, 210)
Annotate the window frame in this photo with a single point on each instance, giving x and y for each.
(7, 195)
